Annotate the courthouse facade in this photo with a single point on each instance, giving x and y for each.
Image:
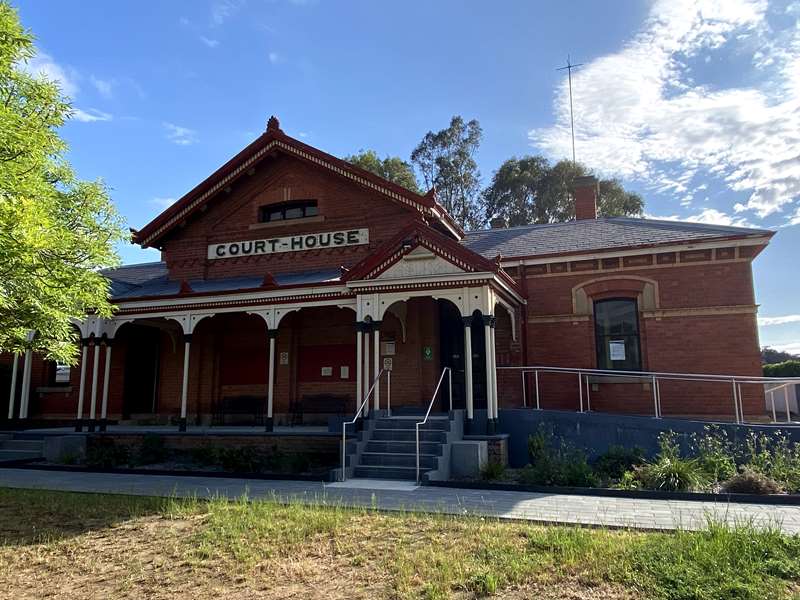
(290, 279)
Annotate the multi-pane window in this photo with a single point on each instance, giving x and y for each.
(616, 324)
(288, 210)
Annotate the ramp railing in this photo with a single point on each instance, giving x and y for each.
(770, 385)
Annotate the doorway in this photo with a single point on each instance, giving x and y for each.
(451, 340)
(143, 351)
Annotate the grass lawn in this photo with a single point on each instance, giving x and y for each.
(64, 545)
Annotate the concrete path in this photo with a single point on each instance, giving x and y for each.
(386, 495)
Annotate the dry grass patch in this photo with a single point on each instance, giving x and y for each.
(92, 546)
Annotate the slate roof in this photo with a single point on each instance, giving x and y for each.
(150, 279)
(594, 235)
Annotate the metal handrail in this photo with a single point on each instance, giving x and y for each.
(449, 372)
(355, 418)
(656, 377)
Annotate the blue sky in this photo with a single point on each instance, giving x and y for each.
(695, 104)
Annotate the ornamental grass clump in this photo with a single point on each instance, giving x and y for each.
(669, 471)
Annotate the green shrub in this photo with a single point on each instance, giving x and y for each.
(628, 481)
(493, 471)
(152, 450)
(616, 461)
(552, 464)
(669, 471)
(715, 454)
(788, 368)
(775, 457)
(299, 463)
(204, 455)
(239, 460)
(104, 453)
(751, 482)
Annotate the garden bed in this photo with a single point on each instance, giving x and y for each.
(153, 454)
(514, 486)
(709, 466)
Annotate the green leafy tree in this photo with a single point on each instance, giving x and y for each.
(392, 168)
(56, 231)
(529, 190)
(446, 160)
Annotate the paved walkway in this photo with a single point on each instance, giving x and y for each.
(386, 495)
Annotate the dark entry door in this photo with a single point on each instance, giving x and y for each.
(141, 371)
(478, 362)
(451, 336)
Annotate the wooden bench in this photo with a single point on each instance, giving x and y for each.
(240, 410)
(318, 404)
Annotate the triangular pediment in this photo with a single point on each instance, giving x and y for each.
(419, 251)
(420, 262)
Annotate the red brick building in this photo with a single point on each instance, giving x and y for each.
(290, 278)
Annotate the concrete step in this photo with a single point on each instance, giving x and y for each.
(433, 448)
(437, 424)
(374, 472)
(24, 445)
(426, 461)
(7, 455)
(408, 435)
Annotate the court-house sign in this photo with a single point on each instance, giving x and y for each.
(294, 243)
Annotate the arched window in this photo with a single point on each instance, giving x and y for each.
(616, 325)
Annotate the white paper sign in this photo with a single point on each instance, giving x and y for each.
(616, 349)
(327, 371)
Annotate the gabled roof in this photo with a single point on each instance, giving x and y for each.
(418, 234)
(274, 140)
(602, 234)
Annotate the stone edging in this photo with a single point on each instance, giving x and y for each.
(784, 499)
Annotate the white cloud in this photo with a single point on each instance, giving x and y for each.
(795, 218)
(274, 58)
(211, 43)
(91, 115)
(790, 347)
(222, 10)
(767, 321)
(163, 203)
(105, 87)
(43, 65)
(183, 136)
(710, 216)
(640, 115)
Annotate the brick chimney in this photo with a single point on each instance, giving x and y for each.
(586, 191)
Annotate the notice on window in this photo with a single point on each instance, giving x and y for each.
(62, 373)
(616, 349)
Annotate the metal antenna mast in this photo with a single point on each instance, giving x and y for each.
(568, 69)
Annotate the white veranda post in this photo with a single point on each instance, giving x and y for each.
(106, 373)
(13, 392)
(359, 377)
(366, 369)
(187, 344)
(487, 329)
(82, 384)
(271, 377)
(376, 368)
(26, 386)
(468, 365)
(93, 397)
